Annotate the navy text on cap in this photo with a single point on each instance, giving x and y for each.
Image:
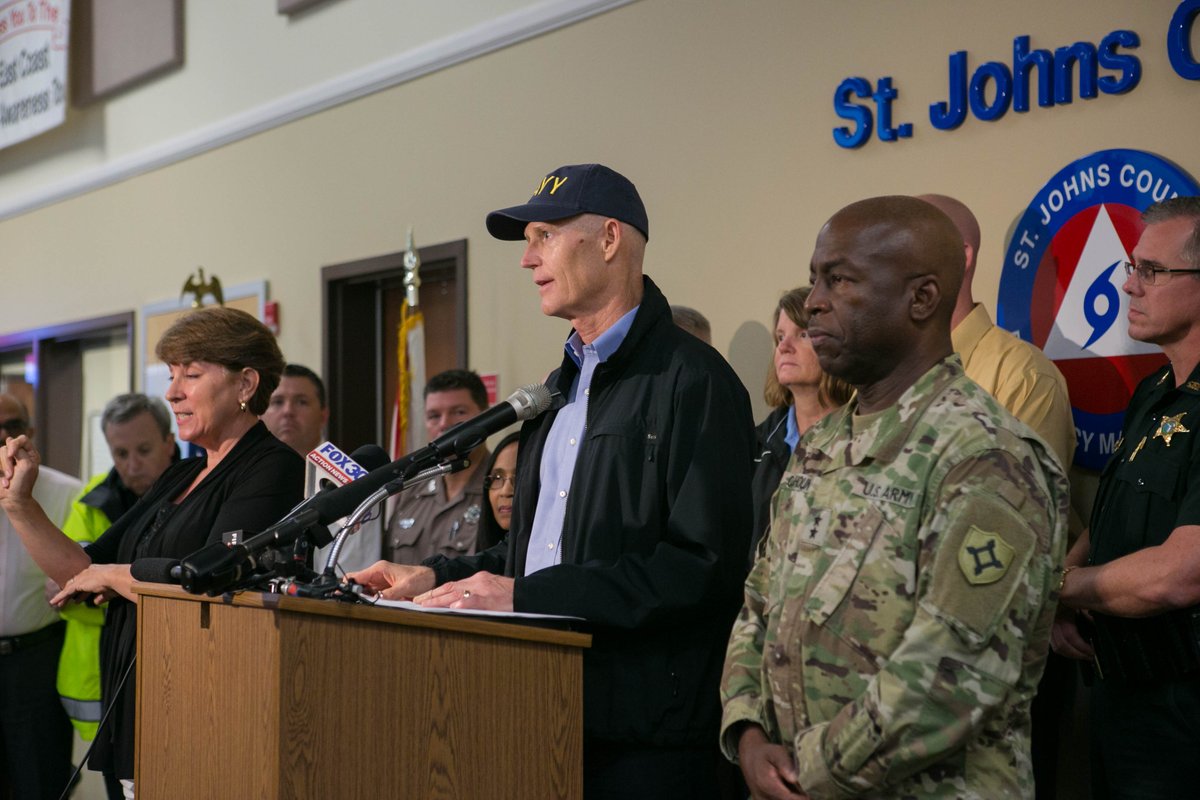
(571, 190)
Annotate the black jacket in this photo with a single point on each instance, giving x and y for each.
(770, 461)
(656, 533)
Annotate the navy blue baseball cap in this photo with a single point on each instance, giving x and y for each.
(571, 190)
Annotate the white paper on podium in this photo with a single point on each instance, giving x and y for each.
(409, 605)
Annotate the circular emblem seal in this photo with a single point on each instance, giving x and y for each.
(1060, 287)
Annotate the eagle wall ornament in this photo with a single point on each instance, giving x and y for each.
(196, 286)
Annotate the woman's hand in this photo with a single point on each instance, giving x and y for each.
(19, 462)
(98, 584)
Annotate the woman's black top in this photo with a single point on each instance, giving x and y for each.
(769, 465)
(254, 486)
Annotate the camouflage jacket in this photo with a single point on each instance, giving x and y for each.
(894, 632)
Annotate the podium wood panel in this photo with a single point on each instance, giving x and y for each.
(271, 697)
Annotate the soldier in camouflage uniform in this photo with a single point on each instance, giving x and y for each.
(897, 620)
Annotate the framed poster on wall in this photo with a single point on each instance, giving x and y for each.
(120, 43)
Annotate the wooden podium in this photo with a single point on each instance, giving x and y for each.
(267, 696)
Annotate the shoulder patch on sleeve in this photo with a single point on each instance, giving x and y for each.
(981, 568)
(984, 557)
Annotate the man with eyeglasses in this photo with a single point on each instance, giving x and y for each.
(1130, 588)
(35, 733)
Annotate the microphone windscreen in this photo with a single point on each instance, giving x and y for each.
(370, 456)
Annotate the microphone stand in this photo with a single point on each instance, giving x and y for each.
(381, 494)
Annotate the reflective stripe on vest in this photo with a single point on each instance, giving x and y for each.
(81, 710)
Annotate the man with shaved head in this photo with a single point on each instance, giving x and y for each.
(894, 630)
(1015, 372)
(1026, 382)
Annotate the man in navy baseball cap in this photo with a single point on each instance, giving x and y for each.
(631, 504)
(571, 190)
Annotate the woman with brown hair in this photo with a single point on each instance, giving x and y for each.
(800, 392)
(224, 364)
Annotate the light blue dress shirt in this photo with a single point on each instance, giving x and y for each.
(792, 436)
(563, 444)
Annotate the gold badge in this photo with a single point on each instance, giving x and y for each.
(984, 557)
(1169, 427)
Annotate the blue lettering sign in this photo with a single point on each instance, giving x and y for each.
(993, 87)
(848, 109)
(1179, 40)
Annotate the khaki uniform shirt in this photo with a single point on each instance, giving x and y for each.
(894, 633)
(1020, 376)
(424, 523)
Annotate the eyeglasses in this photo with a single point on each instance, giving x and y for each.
(496, 480)
(1148, 274)
(15, 427)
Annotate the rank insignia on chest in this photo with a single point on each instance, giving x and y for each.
(1169, 427)
(984, 557)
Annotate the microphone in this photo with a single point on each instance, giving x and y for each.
(217, 566)
(327, 467)
(369, 456)
(344, 468)
(223, 564)
(525, 403)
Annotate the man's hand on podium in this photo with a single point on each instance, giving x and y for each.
(393, 581)
(483, 590)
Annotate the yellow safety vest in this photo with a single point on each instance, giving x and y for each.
(79, 662)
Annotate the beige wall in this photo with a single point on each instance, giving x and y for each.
(240, 58)
(721, 113)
